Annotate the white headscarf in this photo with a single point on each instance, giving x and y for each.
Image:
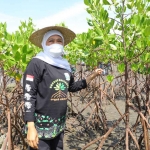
(49, 34)
(55, 61)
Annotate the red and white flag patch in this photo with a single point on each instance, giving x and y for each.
(29, 77)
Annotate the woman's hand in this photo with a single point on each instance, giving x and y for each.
(98, 71)
(93, 75)
(32, 136)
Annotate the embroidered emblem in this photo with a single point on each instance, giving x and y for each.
(29, 77)
(59, 85)
(57, 81)
(67, 76)
(59, 95)
(28, 105)
(27, 96)
(28, 87)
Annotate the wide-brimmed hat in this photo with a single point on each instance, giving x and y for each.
(37, 37)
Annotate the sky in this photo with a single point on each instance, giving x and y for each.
(44, 13)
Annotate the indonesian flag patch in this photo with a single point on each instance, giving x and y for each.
(29, 77)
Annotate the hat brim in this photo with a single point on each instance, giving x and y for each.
(37, 37)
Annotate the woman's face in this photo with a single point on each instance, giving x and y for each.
(54, 39)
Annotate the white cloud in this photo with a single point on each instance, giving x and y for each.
(4, 17)
(12, 22)
(74, 17)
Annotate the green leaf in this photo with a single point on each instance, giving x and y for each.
(24, 58)
(89, 10)
(105, 15)
(122, 52)
(95, 54)
(105, 2)
(24, 49)
(19, 40)
(130, 54)
(129, 5)
(138, 42)
(87, 2)
(112, 22)
(135, 19)
(9, 37)
(98, 38)
(98, 30)
(113, 47)
(134, 67)
(147, 56)
(30, 53)
(15, 48)
(96, 2)
(1, 35)
(121, 68)
(147, 31)
(110, 78)
(3, 57)
(89, 22)
(17, 56)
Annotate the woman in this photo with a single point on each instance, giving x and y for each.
(47, 80)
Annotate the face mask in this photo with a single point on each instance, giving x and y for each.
(54, 50)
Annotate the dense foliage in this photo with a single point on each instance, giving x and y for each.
(118, 34)
(15, 49)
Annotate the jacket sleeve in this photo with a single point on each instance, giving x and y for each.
(76, 86)
(31, 80)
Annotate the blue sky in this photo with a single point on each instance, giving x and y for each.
(44, 13)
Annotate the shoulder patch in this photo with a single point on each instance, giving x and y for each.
(29, 77)
(67, 76)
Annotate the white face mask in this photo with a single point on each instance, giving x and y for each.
(54, 50)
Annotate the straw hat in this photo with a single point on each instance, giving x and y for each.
(37, 37)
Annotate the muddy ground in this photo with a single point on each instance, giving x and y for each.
(75, 140)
